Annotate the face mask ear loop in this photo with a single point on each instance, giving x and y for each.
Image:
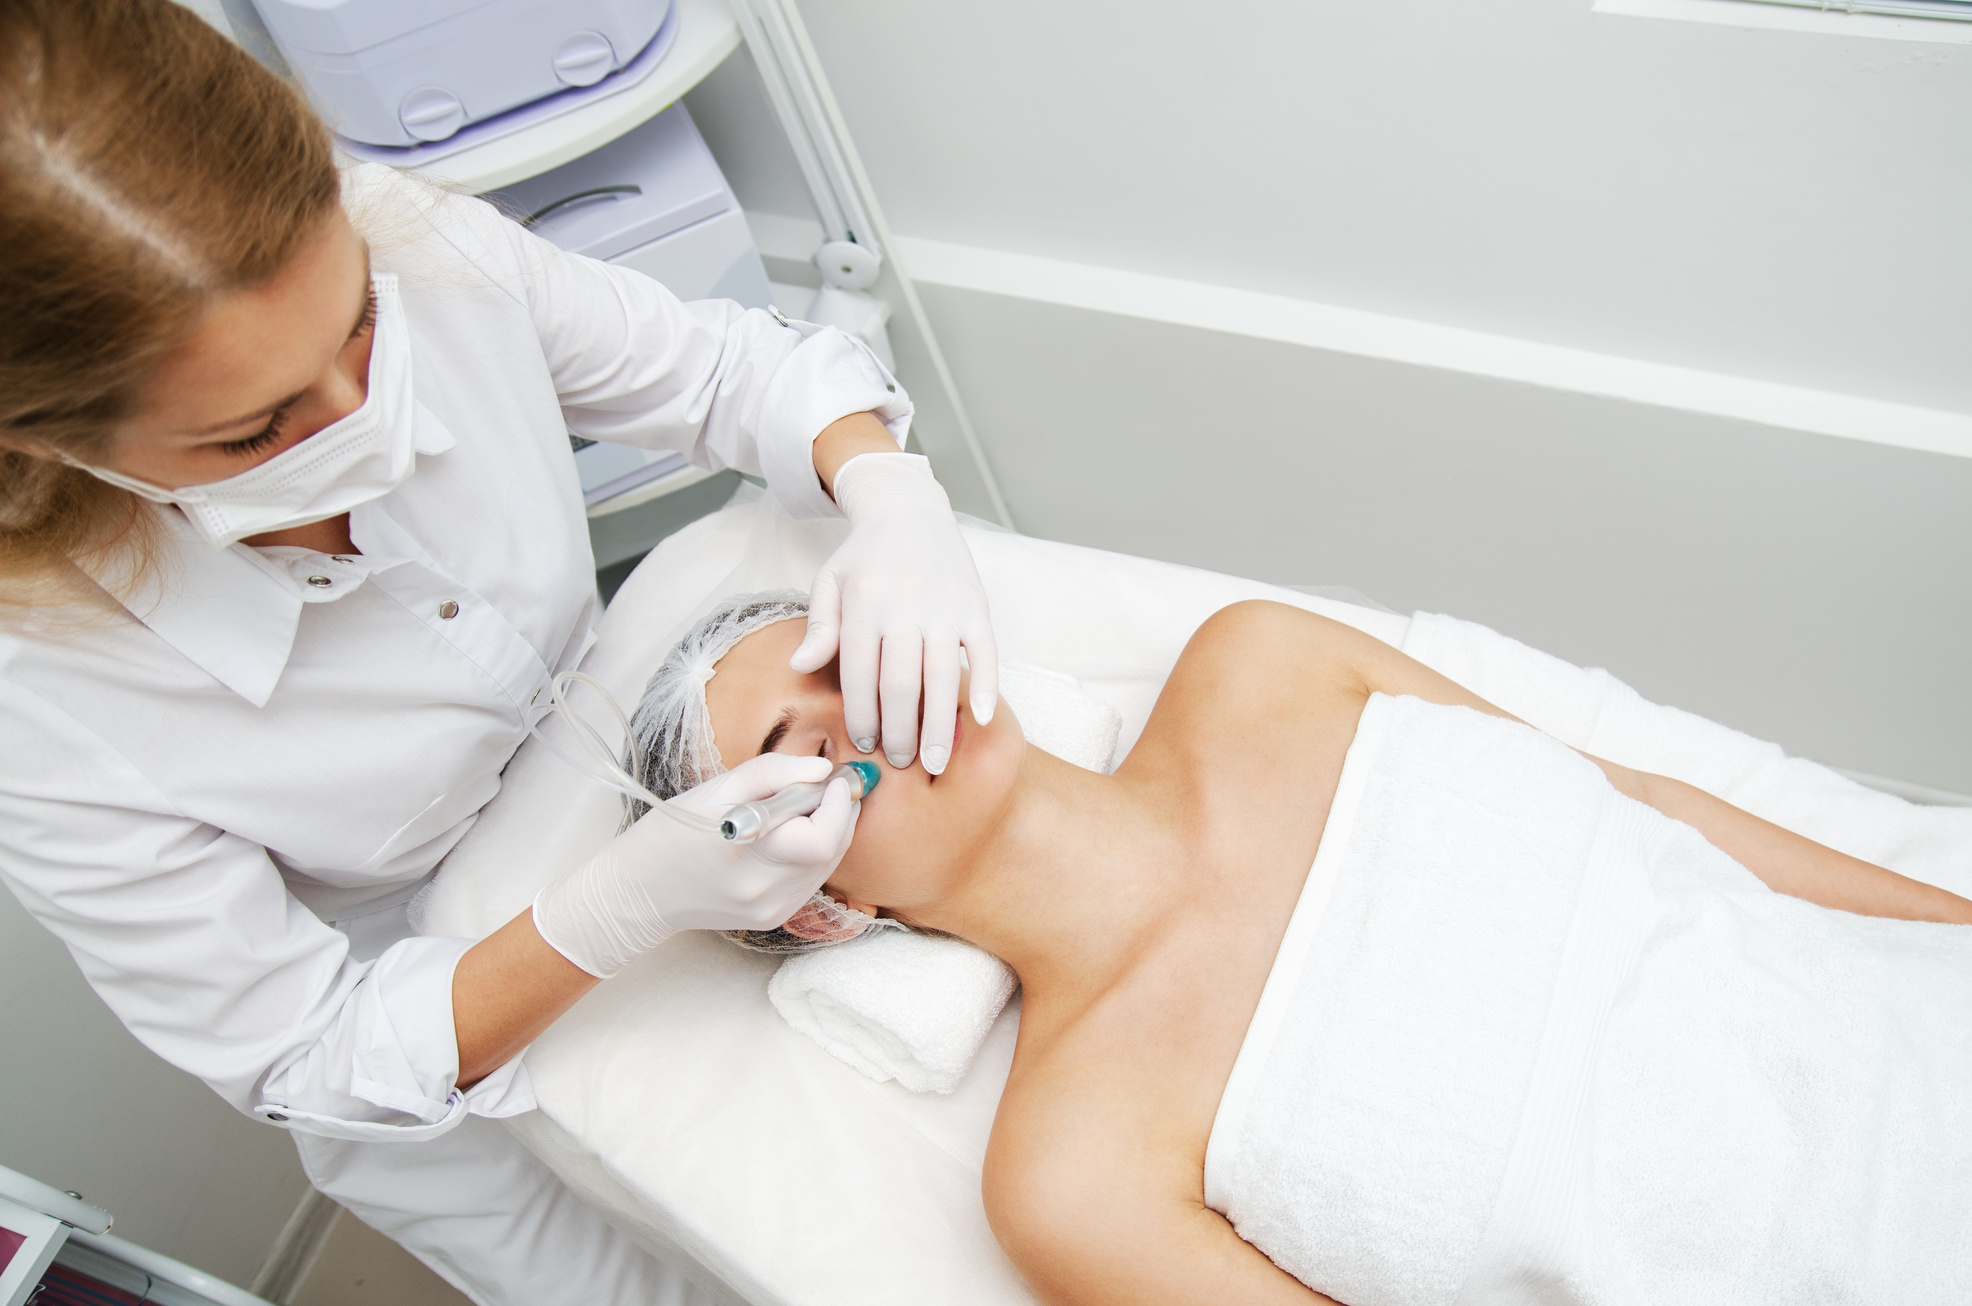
(602, 763)
(142, 489)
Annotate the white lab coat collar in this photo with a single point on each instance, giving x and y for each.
(231, 611)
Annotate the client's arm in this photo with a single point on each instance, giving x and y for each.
(1786, 861)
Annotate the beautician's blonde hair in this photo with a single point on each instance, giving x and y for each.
(147, 166)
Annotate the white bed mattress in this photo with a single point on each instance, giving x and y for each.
(673, 1097)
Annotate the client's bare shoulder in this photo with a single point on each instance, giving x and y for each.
(1267, 697)
(1256, 657)
(1094, 1179)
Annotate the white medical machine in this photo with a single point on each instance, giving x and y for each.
(57, 1250)
(400, 73)
(653, 199)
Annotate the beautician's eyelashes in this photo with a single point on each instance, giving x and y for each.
(259, 440)
(369, 318)
(271, 432)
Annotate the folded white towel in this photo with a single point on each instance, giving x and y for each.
(912, 1008)
(896, 1005)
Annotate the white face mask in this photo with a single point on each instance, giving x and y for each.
(361, 457)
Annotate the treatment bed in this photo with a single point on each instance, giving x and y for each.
(677, 1101)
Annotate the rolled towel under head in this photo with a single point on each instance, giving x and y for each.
(916, 1007)
(896, 1005)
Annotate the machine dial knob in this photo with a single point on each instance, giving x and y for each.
(431, 113)
(585, 58)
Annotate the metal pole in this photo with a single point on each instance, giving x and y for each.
(859, 250)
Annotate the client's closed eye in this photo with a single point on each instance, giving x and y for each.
(782, 724)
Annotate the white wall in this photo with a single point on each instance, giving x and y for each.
(1771, 206)
(85, 1107)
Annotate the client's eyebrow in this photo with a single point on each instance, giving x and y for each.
(779, 732)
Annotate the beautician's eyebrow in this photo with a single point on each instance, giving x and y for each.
(786, 723)
(362, 312)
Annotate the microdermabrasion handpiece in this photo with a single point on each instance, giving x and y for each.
(749, 821)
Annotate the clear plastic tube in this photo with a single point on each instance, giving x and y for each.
(602, 763)
(740, 824)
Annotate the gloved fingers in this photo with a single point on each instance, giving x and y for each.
(982, 656)
(817, 841)
(898, 683)
(941, 700)
(857, 671)
(824, 625)
(834, 822)
(758, 777)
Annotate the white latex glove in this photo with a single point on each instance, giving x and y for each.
(661, 876)
(898, 600)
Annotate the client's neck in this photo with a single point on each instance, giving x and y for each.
(1076, 873)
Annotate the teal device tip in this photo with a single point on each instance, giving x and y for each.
(870, 776)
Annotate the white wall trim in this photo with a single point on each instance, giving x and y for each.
(1924, 795)
(1791, 18)
(1426, 344)
(1404, 340)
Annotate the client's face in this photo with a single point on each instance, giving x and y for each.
(917, 831)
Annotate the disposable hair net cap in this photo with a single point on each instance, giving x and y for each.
(673, 750)
(821, 922)
(672, 728)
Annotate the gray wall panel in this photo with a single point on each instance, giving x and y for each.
(1810, 590)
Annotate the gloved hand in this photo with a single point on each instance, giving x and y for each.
(661, 876)
(901, 593)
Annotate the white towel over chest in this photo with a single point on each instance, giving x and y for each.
(1529, 1041)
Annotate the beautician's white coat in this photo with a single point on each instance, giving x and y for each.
(271, 739)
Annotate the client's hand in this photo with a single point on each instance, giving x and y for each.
(901, 594)
(661, 876)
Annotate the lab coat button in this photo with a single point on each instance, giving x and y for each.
(448, 609)
(320, 582)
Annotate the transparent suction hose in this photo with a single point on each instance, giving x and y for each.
(741, 824)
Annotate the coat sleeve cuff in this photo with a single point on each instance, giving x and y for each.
(388, 1068)
(829, 375)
